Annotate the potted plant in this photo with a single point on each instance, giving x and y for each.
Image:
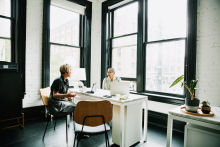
(192, 104)
(205, 107)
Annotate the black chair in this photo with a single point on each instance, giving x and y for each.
(45, 92)
(91, 118)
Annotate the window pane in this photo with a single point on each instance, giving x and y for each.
(5, 8)
(133, 85)
(124, 41)
(164, 63)
(63, 25)
(5, 50)
(5, 27)
(60, 55)
(125, 64)
(125, 19)
(166, 19)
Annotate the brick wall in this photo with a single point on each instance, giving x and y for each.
(33, 53)
(208, 51)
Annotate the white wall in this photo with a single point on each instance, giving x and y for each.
(33, 53)
(208, 52)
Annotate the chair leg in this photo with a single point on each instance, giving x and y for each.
(45, 129)
(107, 138)
(75, 139)
(55, 123)
(66, 132)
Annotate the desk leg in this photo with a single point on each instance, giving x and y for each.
(169, 131)
(122, 131)
(68, 119)
(145, 119)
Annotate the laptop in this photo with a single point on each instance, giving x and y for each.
(121, 88)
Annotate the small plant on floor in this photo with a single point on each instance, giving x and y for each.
(192, 85)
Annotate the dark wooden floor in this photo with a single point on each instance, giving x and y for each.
(32, 134)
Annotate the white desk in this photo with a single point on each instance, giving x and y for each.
(212, 122)
(127, 116)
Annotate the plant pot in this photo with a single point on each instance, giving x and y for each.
(192, 105)
(206, 109)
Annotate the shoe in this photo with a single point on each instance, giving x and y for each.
(83, 136)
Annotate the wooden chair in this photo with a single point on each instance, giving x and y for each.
(91, 118)
(45, 93)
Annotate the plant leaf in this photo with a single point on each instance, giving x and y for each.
(177, 81)
(193, 84)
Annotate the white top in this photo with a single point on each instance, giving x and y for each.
(106, 82)
(209, 119)
(98, 95)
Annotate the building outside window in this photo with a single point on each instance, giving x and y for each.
(5, 31)
(168, 38)
(119, 52)
(56, 59)
(123, 42)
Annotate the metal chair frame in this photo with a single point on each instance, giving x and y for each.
(81, 133)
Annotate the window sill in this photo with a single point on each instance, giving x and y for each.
(162, 98)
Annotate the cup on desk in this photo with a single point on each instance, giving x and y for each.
(118, 96)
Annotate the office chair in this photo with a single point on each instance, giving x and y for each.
(91, 118)
(45, 93)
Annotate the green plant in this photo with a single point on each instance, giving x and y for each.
(192, 85)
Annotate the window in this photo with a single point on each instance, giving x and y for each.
(166, 38)
(119, 52)
(56, 59)
(68, 30)
(5, 31)
(163, 35)
(124, 41)
(119, 66)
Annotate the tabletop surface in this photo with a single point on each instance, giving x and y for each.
(209, 119)
(100, 93)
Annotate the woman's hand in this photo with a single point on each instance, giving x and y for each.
(70, 94)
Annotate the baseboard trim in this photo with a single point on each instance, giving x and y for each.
(31, 113)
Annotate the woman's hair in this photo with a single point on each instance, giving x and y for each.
(112, 69)
(65, 68)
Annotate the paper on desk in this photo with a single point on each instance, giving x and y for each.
(124, 97)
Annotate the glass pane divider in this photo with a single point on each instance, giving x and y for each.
(124, 46)
(1, 16)
(124, 35)
(5, 38)
(167, 40)
(64, 45)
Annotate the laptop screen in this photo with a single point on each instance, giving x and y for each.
(119, 88)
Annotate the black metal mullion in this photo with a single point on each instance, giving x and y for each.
(128, 79)
(124, 5)
(52, 43)
(166, 40)
(124, 35)
(6, 17)
(140, 54)
(13, 32)
(5, 38)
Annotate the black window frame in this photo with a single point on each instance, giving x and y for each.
(190, 52)
(84, 41)
(18, 39)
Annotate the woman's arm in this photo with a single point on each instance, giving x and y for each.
(58, 95)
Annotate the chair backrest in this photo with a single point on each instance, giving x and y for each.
(45, 93)
(92, 108)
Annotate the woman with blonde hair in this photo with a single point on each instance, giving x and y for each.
(60, 97)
